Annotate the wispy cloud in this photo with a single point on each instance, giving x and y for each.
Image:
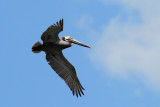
(128, 47)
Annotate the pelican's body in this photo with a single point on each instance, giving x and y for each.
(53, 47)
(58, 46)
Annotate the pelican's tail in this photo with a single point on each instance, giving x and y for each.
(37, 47)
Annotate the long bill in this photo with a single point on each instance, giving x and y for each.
(78, 43)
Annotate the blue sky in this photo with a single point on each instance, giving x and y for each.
(120, 70)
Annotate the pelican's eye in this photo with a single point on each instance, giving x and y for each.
(63, 38)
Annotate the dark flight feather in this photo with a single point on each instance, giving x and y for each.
(66, 71)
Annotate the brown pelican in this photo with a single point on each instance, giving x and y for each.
(53, 47)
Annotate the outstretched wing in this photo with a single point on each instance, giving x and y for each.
(66, 71)
(51, 34)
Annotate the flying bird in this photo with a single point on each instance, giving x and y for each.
(53, 46)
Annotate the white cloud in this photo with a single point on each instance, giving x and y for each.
(127, 48)
(147, 8)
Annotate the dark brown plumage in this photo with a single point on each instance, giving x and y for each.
(53, 47)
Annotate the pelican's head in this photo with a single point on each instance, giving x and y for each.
(73, 41)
